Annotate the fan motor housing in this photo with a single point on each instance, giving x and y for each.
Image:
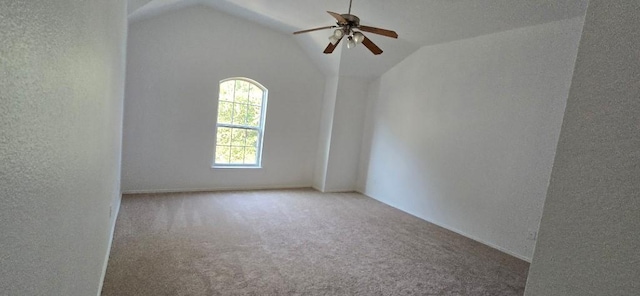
(352, 20)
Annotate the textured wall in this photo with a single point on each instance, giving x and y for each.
(326, 128)
(174, 63)
(589, 234)
(346, 135)
(133, 5)
(463, 134)
(340, 139)
(61, 89)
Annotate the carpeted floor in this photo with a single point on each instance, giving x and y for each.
(295, 242)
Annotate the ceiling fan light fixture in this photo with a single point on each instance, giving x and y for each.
(351, 43)
(358, 37)
(346, 23)
(333, 39)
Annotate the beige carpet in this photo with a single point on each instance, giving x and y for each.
(295, 242)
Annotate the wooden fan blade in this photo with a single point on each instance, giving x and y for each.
(332, 47)
(338, 17)
(379, 31)
(371, 46)
(315, 29)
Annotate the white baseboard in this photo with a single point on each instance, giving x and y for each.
(334, 190)
(114, 217)
(340, 191)
(501, 249)
(447, 227)
(214, 189)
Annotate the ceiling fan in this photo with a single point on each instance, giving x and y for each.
(347, 25)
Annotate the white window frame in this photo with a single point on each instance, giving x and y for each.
(259, 129)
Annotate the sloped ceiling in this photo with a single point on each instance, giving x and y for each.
(418, 22)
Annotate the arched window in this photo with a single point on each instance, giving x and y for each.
(242, 105)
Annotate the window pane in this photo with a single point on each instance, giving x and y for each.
(253, 115)
(252, 138)
(238, 137)
(223, 136)
(237, 155)
(250, 155)
(240, 114)
(239, 123)
(226, 90)
(242, 92)
(222, 154)
(225, 112)
(255, 95)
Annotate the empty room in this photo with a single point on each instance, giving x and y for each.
(339, 147)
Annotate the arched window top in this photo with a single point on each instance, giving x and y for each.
(242, 106)
(245, 79)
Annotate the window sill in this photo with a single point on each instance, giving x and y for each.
(215, 167)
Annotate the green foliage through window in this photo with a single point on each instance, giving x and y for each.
(240, 123)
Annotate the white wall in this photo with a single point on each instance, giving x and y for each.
(61, 89)
(589, 234)
(463, 134)
(346, 138)
(175, 62)
(326, 127)
(341, 129)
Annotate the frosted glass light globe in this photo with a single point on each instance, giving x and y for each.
(351, 43)
(358, 37)
(333, 39)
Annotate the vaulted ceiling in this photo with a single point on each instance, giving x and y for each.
(418, 23)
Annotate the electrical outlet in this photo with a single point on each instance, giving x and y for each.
(533, 235)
